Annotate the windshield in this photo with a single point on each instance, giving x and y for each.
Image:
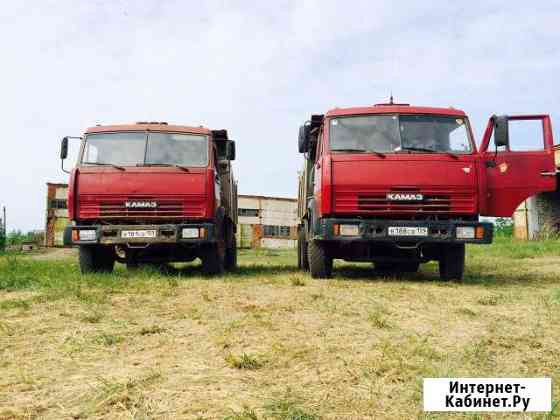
(139, 148)
(396, 133)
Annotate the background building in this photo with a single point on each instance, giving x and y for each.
(539, 216)
(57, 214)
(264, 222)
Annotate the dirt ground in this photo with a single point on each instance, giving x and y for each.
(266, 342)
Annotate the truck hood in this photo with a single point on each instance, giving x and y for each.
(361, 185)
(103, 193)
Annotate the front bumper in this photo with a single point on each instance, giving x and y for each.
(165, 234)
(377, 230)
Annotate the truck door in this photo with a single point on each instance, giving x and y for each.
(521, 166)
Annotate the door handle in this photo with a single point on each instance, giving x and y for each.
(553, 173)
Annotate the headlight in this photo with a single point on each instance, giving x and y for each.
(190, 233)
(465, 232)
(346, 230)
(87, 235)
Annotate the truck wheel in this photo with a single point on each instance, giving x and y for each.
(212, 261)
(320, 263)
(303, 260)
(452, 262)
(408, 267)
(231, 256)
(96, 259)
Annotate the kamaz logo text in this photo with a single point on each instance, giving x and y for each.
(404, 197)
(140, 204)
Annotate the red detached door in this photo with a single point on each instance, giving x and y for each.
(519, 170)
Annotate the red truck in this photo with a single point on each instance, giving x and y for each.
(153, 193)
(401, 185)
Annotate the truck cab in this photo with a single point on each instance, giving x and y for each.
(401, 185)
(153, 193)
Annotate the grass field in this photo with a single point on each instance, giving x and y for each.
(268, 342)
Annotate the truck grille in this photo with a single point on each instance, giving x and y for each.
(168, 207)
(374, 202)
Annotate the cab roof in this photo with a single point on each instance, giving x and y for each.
(146, 126)
(394, 109)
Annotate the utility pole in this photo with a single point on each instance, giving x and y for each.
(3, 234)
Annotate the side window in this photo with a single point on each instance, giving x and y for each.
(526, 135)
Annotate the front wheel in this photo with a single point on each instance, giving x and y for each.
(452, 262)
(96, 259)
(213, 261)
(320, 263)
(231, 256)
(303, 260)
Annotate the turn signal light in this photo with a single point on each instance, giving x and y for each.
(479, 232)
(75, 236)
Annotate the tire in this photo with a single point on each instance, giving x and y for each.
(96, 259)
(320, 263)
(212, 261)
(408, 267)
(231, 256)
(384, 267)
(303, 259)
(452, 262)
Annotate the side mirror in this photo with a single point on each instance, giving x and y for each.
(303, 143)
(501, 132)
(230, 150)
(64, 148)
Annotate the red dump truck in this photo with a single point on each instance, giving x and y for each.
(153, 193)
(401, 185)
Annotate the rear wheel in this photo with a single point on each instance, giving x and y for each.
(96, 259)
(213, 261)
(320, 263)
(303, 260)
(452, 262)
(231, 255)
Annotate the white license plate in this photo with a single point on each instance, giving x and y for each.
(138, 234)
(408, 231)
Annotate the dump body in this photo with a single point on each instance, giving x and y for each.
(153, 192)
(399, 185)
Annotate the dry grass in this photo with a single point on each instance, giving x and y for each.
(268, 342)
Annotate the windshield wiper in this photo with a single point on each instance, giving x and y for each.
(428, 150)
(164, 164)
(120, 168)
(360, 151)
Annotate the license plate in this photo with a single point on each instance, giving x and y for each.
(138, 234)
(408, 231)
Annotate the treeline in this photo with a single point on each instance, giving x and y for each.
(17, 237)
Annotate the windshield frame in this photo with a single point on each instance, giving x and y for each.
(472, 151)
(145, 164)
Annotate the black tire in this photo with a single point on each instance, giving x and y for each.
(452, 262)
(231, 256)
(303, 259)
(408, 267)
(320, 263)
(384, 267)
(213, 261)
(96, 259)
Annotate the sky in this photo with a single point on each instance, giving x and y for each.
(258, 69)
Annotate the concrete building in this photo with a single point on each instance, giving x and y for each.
(539, 216)
(57, 214)
(266, 222)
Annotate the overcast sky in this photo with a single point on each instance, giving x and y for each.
(258, 69)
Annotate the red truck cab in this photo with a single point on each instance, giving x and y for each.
(400, 185)
(153, 193)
